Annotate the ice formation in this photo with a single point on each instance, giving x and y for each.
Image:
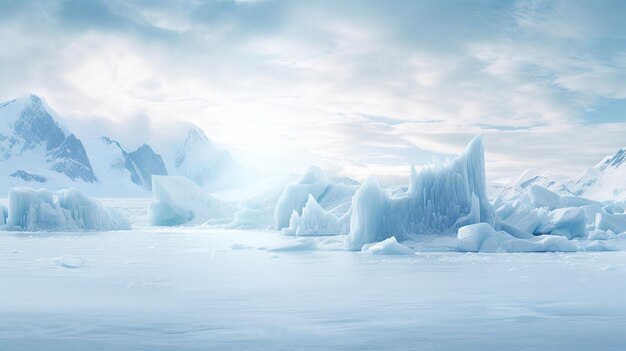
(389, 246)
(316, 221)
(299, 244)
(64, 210)
(4, 213)
(529, 178)
(481, 237)
(569, 222)
(615, 223)
(257, 203)
(178, 200)
(295, 196)
(333, 196)
(538, 211)
(437, 201)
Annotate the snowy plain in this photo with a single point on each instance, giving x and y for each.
(199, 288)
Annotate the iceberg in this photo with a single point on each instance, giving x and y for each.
(332, 195)
(63, 210)
(295, 196)
(539, 211)
(389, 246)
(256, 211)
(178, 200)
(248, 217)
(315, 221)
(542, 197)
(438, 201)
(616, 223)
(569, 222)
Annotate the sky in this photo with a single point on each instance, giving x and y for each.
(359, 87)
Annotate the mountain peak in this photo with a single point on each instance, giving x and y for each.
(29, 126)
(615, 161)
(34, 100)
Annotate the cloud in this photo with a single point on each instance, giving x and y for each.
(291, 83)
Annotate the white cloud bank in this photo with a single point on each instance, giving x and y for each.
(360, 86)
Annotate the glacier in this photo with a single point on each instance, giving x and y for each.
(64, 210)
(437, 201)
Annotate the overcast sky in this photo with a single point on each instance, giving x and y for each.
(355, 86)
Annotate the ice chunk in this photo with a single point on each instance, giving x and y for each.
(514, 231)
(337, 197)
(525, 217)
(250, 217)
(64, 210)
(389, 246)
(568, 222)
(481, 237)
(577, 201)
(613, 208)
(260, 210)
(4, 213)
(437, 201)
(178, 200)
(613, 222)
(68, 261)
(315, 221)
(599, 235)
(295, 196)
(542, 197)
(541, 211)
(300, 244)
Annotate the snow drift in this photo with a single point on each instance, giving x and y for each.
(64, 210)
(438, 201)
(178, 200)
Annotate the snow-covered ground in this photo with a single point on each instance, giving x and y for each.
(215, 289)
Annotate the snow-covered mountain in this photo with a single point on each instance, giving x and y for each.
(529, 178)
(207, 166)
(28, 130)
(142, 163)
(38, 149)
(602, 182)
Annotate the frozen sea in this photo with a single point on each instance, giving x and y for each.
(215, 289)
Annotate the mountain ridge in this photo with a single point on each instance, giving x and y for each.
(36, 148)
